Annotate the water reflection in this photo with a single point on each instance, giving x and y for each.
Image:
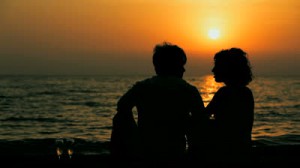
(207, 86)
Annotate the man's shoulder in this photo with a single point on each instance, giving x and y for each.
(143, 81)
(165, 82)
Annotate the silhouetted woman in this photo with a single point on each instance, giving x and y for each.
(232, 107)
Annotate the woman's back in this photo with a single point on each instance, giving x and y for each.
(233, 110)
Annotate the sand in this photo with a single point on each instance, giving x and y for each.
(267, 156)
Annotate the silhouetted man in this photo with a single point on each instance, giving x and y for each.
(166, 104)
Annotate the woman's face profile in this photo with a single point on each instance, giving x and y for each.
(218, 72)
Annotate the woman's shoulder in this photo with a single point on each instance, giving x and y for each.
(223, 90)
(233, 90)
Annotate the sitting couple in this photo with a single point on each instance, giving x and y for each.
(173, 125)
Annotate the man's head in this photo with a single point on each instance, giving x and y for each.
(169, 60)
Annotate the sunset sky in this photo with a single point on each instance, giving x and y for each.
(118, 36)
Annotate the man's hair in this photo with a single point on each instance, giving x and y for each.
(168, 59)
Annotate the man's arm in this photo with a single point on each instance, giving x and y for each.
(196, 119)
(124, 115)
(124, 127)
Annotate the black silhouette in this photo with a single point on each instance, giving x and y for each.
(232, 108)
(166, 105)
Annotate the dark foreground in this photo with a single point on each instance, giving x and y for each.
(268, 156)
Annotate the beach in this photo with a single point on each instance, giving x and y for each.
(263, 156)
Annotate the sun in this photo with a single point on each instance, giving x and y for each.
(214, 33)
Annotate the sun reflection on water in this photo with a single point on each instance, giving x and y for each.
(207, 87)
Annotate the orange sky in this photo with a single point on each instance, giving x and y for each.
(116, 37)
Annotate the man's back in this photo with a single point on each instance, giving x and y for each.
(164, 106)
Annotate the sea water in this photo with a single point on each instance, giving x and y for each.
(37, 110)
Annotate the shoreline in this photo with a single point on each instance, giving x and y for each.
(263, 156)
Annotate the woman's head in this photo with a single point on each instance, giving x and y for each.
(232, 67)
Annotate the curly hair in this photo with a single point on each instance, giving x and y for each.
(235, 66)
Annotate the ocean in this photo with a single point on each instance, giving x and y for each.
(37, 111)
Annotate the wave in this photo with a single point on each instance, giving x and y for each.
(29, 119)
(279, 106)
(91, 103)
(287, 139)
